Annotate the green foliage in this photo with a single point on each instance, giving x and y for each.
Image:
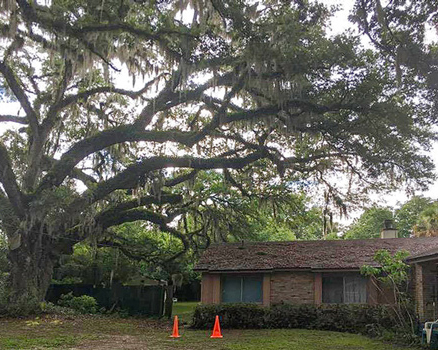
(393, 273)
(52, 309)
(273, 212)
(83, 304)
(427, 222)
(392, 270)
(93, 265)
(407, 216)
(369, 224)
(353, 318)
(145, 251)
(417, 216)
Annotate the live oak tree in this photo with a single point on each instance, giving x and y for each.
(259, 92)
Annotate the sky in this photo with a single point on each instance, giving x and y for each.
(339, 24)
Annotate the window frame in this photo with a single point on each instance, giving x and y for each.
(344, 276)
(242, 278)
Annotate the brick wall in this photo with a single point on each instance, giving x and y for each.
(293, 287)
(298, 287)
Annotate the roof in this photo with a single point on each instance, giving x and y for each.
(427, 255)
(313, 255)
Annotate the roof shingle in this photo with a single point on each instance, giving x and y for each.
(334, 254)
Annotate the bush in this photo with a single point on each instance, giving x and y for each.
(231, 316)
(83, 304)
(291, 316)
(353, 318)
(50, 308)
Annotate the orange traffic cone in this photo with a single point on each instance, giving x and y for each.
(175, 333)
(216, 329)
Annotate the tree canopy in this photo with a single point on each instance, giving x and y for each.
(409, 213)
(418, 216)
(369, 224)
(259, 93)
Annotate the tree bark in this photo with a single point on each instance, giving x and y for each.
(31, 272)
(169, 301)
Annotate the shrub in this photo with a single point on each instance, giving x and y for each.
(239, 315)
(50, 308)
(291, 316)
(83, 304)
(354, 318)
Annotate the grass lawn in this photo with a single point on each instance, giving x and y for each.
(184, 310)
(107, 333)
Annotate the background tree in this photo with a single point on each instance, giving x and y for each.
(427, 223)
(417, 216)
(407, 216)
(369, 224)
(260, 93)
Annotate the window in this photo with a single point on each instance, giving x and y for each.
(247, 289)
(348, 289)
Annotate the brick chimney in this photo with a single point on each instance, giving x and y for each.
(389, 230)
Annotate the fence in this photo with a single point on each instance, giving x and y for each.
(143, 300)
(189, 292)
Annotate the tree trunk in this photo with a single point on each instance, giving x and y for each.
(31, 272)
(169, 301)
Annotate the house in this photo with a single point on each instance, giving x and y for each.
(315, 272)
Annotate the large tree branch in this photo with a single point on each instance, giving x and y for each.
(129, 133)
(108, 214)
(36, 141)
(129, 178)
(120, 217)
(265, 111)
(146, 215)
(7, 178)
(14, 119)
(169, 98)
(76, 173)
(181, 178)
(16, 87)
(52, 114)
(102, 140)
(84, 95)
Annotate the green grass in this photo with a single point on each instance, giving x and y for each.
(184, 310)
(277, 339)
(43, 342)
(111, 333)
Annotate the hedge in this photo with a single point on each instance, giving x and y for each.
(353, 318)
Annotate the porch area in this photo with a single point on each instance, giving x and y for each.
(424, 287)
